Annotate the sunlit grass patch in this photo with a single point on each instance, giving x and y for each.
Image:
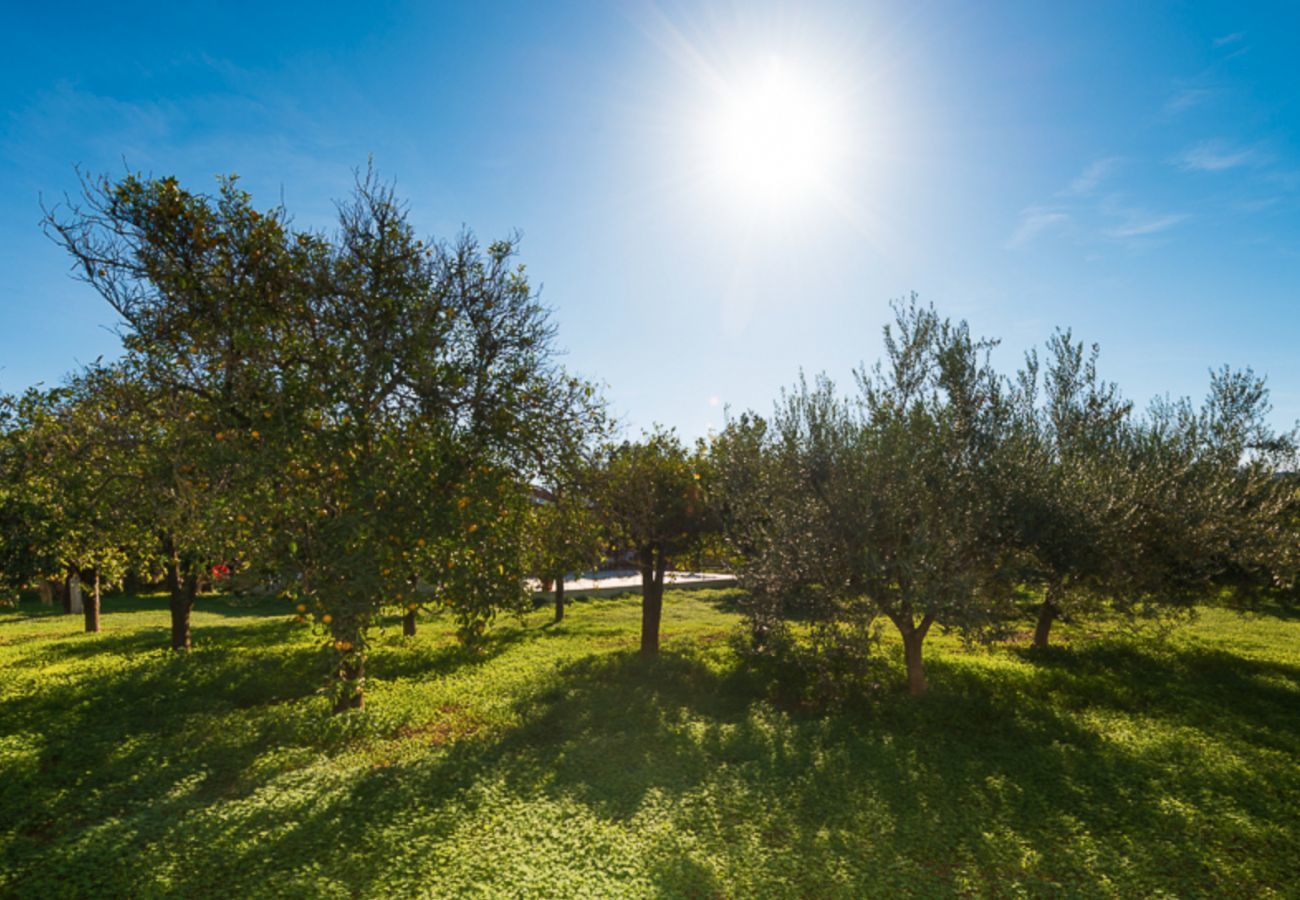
(556, 761)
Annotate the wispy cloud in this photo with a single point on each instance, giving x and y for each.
(1286, 179)
(1142, 224)
(1216, 156)
(1235, 37)
(1186, 98)
(1257, 205)
(1092, 176)
(1035, 220)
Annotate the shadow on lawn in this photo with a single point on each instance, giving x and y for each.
(129, 749)
(995, 773)
(392, 660)
(1282, 610)
(1207, 689)
(989, 774)
(77, 644)
(115, 603)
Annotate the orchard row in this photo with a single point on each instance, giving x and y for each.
(363, 421)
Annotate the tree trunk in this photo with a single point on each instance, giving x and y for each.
(559, 599)
(352, 673)
(912, 642)
(652, 600)
(76, 596)
(913, 639)
(182, 601)
(1048, 613)
(91, 609)
(408, 623)
(47, 589)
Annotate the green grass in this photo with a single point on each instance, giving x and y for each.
(560, 764)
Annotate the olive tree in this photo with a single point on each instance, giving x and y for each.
(1143, 516)
(891, 502)
(1073, 495)
(1214, 503)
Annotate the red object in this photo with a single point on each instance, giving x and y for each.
(220, 570)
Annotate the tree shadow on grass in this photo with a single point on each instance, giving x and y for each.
(1208, 689)
(235, 606)
(115, 604)
(996, 783)
(1287, 610)
(153, 736)
(133, 738)
(985, 784)
(725, 599)
(576, 737)
(79, 644)
(28, 611)
(396, 659)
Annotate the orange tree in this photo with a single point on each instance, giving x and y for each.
(28, 523)
(477, 565)
(350, 390)
(650, 501)
(565, 537)
(203, 287)
(428, 396)
(190, 490)
(71, 481)
(564, 533)
(34, 542)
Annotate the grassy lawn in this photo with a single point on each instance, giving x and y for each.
(560, 764)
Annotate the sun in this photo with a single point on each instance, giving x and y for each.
(773, 137)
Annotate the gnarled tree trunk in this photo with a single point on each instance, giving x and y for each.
(408, 623)
(352, 672)
(1048, 613)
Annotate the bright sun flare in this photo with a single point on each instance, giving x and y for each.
(773, 138)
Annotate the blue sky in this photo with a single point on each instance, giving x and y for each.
(1130, 170)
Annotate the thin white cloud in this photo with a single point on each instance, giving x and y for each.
(715, 400)
(1259, 204)
(1286, 179)
(1216, 156)
(1235, 38)
(1093, 175)
(1035, 220)
(1185, 99)
(1140, 224)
